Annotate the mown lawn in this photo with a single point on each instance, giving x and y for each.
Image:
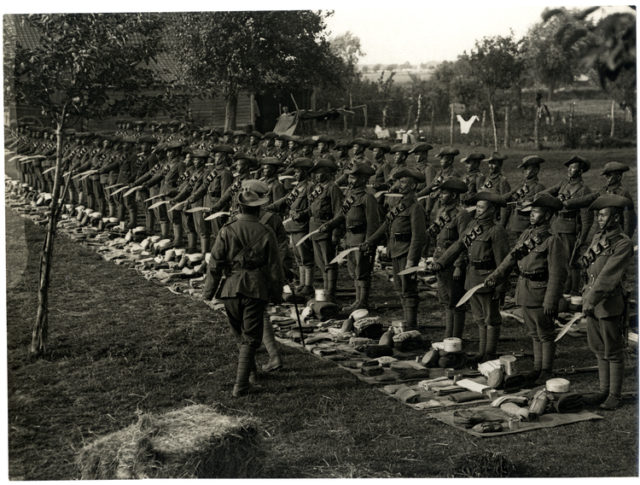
(120, 345)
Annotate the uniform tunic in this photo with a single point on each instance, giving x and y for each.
(606, 262)
(518, 220)
(498, 184)
(486, 244)
(246, 252)
(325, 202)
(540, 258)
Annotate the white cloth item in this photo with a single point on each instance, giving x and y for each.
(465, 125)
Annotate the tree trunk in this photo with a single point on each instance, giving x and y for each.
(418, 115)
(432, 127)
(313, 108)
(493, 125)
(451, 124)
(536, 128)
(613, 119)
(385, 111)
(409, 116)
(230, 110)
(41, 325)
(483, 132)
(506, 126)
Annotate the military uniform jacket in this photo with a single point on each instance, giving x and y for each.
(325, 201)
(630, 220)
(276, 189)
(298, 204)
(246, 251)
(498, 184)
(486, 244)
(606, 261)
(359, 214)
(446, 229)
(519, 221)
(405, 226)
(474, 181)
(571, 221)
(382, 177)
(541, 260)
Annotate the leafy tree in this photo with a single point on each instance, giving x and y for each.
(497, 64)
(552, 48)
(77, 64)
(225, 52)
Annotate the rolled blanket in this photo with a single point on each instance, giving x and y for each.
(466, 396)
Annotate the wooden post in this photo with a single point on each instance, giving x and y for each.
(451, 124)
(252, 111)
(493, 124)
(536, 128)
(432, 127)
(418, 115)
(613, 119)
(483, 133)
(506, 126)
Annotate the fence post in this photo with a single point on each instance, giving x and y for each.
(613, 119)
(482, 132)
(451, 124)
(506, 126)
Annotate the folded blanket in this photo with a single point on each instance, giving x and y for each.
(466, 396)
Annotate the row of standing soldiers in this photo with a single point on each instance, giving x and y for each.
(476, 226)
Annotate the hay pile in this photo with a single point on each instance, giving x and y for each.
(193, 442)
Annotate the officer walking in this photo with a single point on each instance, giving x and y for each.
(245, 272)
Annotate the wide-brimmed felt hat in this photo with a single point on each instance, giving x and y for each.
(610, 200)
(408, 172)
(270, 161)
(381, 145)
(363, 142)
(448, 152)
(251, 199)
(614, 167)
(531, 160)
(400, 148)
(473, 157)
(222, 148)
(454, 184)
(363, 169)
(421, 148)
(254, 185)
(327, 163)
(303, 163)
(544, 200)
(491, 197)
(584, 164)
(495, 157)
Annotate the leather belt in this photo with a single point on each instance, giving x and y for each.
(402, 236)
(486, 264)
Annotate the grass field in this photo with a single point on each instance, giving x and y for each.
(120, 345)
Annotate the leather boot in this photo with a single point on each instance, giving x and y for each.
(269, 341)
(133, 218)
(365, 289)
(149, 221)
(448, 323)
(120, 208)
(548, 353)
(204, 244)
(599, 397)
(192, 243)
(245, 357)
(493, 334)
(482, 343)
(113, 210)
(164, 230)
(301, 275)
(537, 360)
(332, 280)
(307, 288)
(356, 302)
(177, 235)
(458, 323)
(410, 313)
(616, 374)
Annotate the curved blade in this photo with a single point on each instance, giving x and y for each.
(158, 204)
(381, 192)
(121, 189)
(304, 238)
(177, 206)
(393, 195)
(406, 271)
(114, 186)
(153, 197)
(216, 215)
(342, 255)
(197, 209)
(49, 170)
(468, 295)
(132, 190)
(567, 326)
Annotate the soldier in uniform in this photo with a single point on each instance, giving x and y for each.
(421, 152)
(405, 228)
(359, 215)
(325, 202)
(245, 272)
(297, 222)
(324, 144)
(379, 150)
(270, 167)
(255, 137)
(447, 156)
(495, 181)
(244, 165)
(124, 163)
(342, 152)
(267, 147)
(604, 301)
(613, 173)
(448, 225)
(359, 146)
(146, 160)
(519, 220)
(572, 226)
(540, 257)
(486, 244)
(474, 177)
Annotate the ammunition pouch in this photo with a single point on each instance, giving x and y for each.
(486, 264)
